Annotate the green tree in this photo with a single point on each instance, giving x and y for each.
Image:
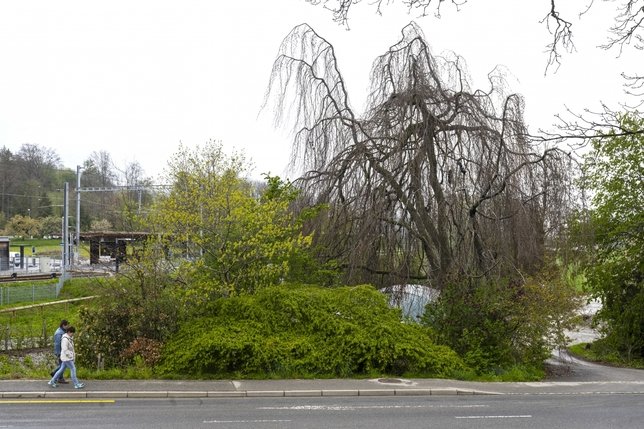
(234, 239)
(614, 172)
(51, 225)
(8, 182)
(23, 226)
(28, 181)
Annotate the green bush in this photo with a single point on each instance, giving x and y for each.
(498, 324)
(619, 282)
(305, 331)
(124, 324)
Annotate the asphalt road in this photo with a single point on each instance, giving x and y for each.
(566, 368)
(521, 411)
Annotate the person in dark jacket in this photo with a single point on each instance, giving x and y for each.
(58, 336)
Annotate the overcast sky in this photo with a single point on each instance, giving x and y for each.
(135, 78)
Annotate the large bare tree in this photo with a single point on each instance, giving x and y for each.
(434, 179)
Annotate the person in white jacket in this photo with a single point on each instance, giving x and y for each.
(67, 357)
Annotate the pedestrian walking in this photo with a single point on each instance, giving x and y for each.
(67, 357)
(58, 336)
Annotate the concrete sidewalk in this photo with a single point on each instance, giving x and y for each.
(26, 389)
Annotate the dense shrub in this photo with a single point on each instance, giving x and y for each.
(306, 331)
(619, 283)
(499, 324)
(125, 323)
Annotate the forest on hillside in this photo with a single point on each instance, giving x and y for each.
(31, 191)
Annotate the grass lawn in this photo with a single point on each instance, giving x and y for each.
(597, 352)
(32, 329)
(44, 247)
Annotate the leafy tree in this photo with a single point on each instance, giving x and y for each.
(44, 208)
(614, 172)
(26, 178)
(51, 225)
(8, 180)
(211, 216)
(23, 226)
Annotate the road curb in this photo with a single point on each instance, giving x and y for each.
(152, 394)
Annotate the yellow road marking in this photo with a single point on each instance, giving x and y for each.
(59, 401)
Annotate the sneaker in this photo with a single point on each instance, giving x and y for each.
(62, 381)
(52, 384)
(79, 386)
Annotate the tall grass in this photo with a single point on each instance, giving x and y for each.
(33, 327)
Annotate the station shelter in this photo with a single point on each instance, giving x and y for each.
(4, 253)
(111, 243)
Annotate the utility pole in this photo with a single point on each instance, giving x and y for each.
(65, 229)
(77, 248)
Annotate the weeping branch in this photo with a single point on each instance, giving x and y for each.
(411, 182)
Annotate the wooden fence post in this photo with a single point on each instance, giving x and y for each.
(6, 337)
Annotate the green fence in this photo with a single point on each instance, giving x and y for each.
(27, 293)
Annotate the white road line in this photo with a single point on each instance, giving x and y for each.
(363, 407)
(524, 416)
(246, 421)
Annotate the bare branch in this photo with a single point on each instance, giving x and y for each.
(341, 9)
(626, 30)
(561, 31)
(406, 182)
(628, 26)
(579, 129)
(634, 87)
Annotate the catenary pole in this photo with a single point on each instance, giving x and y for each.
(78, 194)
(65, 228)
